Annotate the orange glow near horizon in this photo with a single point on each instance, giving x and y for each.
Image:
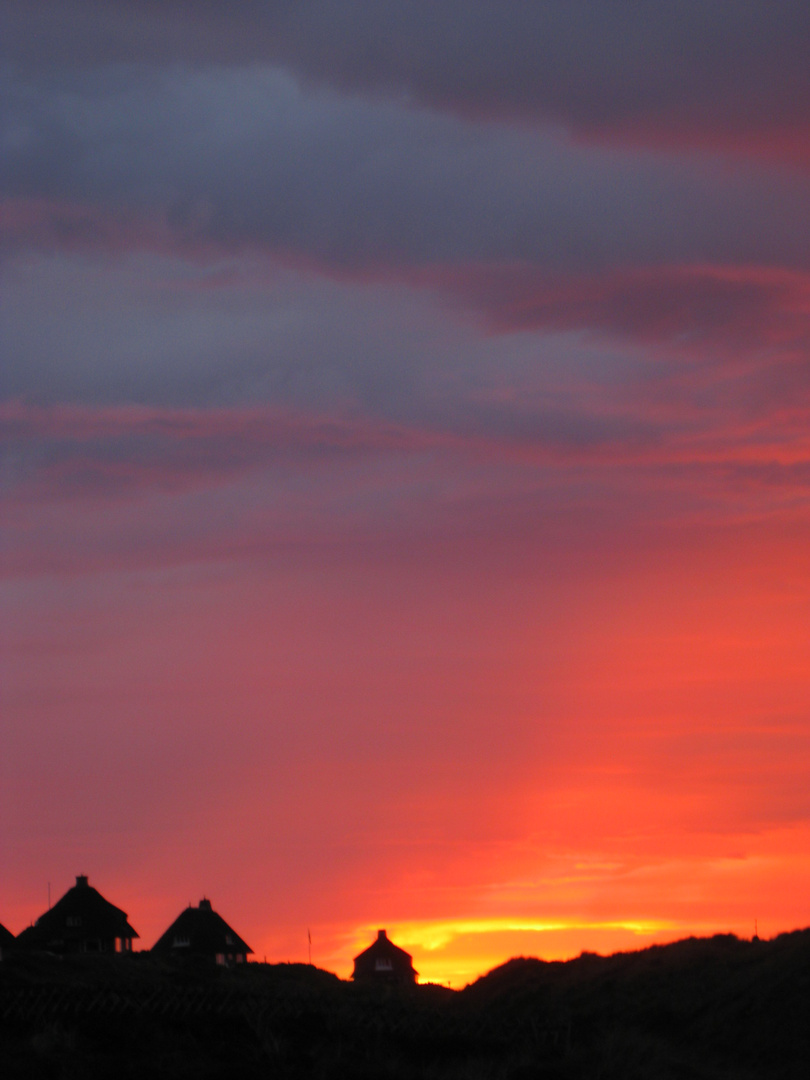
(735, 885)
(645, 779)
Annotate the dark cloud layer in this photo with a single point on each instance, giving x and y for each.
(693, 70)
(247, 157)
(199, 189)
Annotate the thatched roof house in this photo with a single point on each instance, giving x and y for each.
(384, 962)
(82, 921)
(200, 933)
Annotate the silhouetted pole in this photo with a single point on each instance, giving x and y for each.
(309, 942)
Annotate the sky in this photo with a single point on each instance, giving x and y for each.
(406, 470)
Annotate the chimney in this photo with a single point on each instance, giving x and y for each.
(205, 905)
(81, 881)
(381, 935)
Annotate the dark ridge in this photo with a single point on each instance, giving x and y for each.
(699, 1009)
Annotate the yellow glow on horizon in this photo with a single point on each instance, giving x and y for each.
(437, 935)
(457, 951)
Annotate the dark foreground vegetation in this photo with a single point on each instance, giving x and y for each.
(707, 1008)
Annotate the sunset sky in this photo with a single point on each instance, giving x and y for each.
(406, 470)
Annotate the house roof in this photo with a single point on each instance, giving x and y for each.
(81, 913)
(7, 939)
(200, 930)
(383, 948)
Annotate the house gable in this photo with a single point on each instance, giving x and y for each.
(200, 932)
(81, 921)
(384, 962)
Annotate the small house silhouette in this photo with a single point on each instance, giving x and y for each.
(201, 933)
(384, 962)
(82, 921)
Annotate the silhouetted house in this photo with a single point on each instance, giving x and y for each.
(202, 934)
(7, 940)
(384, 962)
(82, 921)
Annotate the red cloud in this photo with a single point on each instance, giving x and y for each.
(744, 307)
(70, 450)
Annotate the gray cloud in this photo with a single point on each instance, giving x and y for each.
(148, 328)
(247, 157)
(165, 220)
(688, 68)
